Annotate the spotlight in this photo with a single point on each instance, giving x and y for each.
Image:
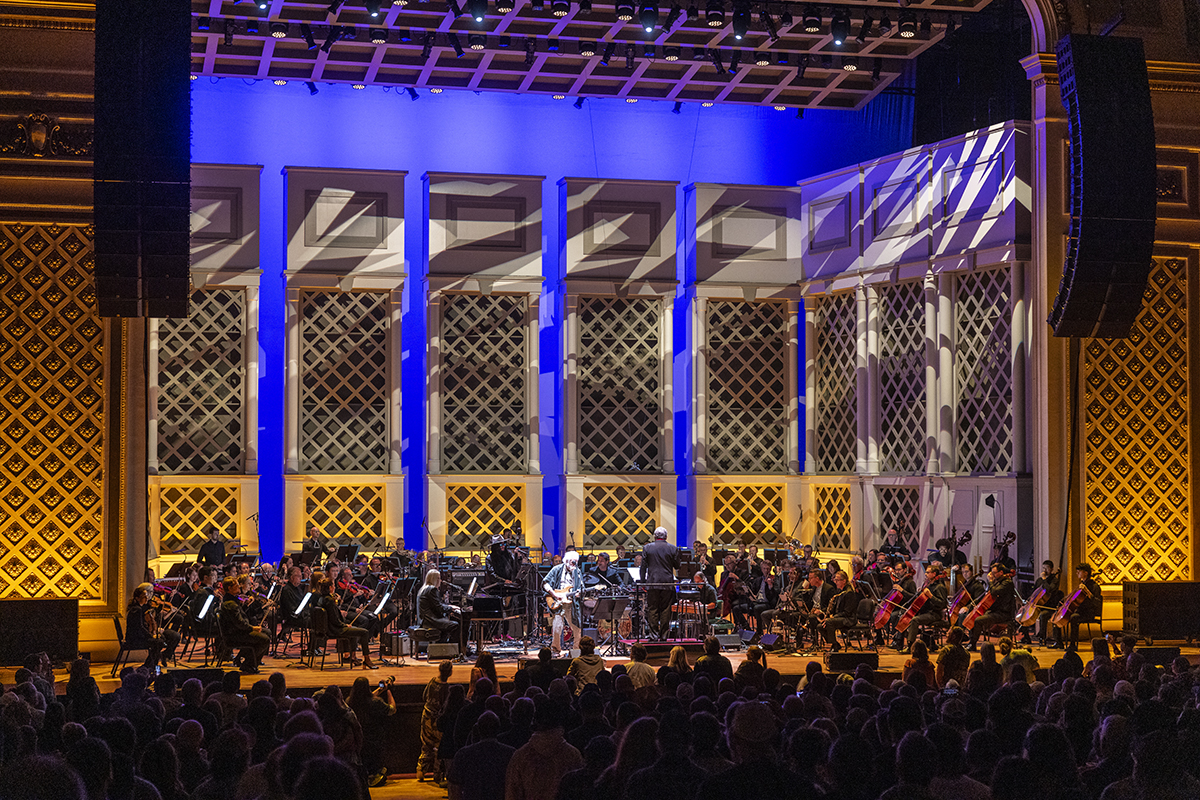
(504, 6)
(578, 102)
(587, 49)
(279, 82)
(812, 19)
(850, 63)
(631, 99)
(263, 5)
(678, 107)
(538, 6)
(359, 86)
(926, 26)
(735, 62)
(455, 8)
(629, 56)
(762, 59)
(826, 61)
(785, 18)
(412, 94)
(229, 24)
(560, 8)
(373, 8)
(877, 70)
(585, 8)
(334, 34)
(781, 108)
(781, 59)
(769, 24)
(949, 30)
(908, 25)
(674, 16)
(478, 41)
(624, 10)
(609, 49)
(648, 51)
(741, 20)
(427, 45)
(707, 104)
(312, 87)
(839, 26)
(648, 17)
(379, 36)
(504, 41)
(671, 52)
(455, 43)
(279, 30)
(307, 33)
(714, 13)
(693, 13)
(436, 90)
(885, 25)
(715, 55)
(477, 9)
(558, 97)
(864, 30)
(698, 54)
(800, 112)
(552, 45)
(404, 35)
(530, 51)
(204, 24)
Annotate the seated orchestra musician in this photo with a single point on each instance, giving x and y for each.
(432, 612)
(975, 588)
(841, 612)
(1087, 608)
(1004, 602)
(933, 609)
(608, 574)
(142, 629)
(1048, 599)
(764, 593)
(336, 624)
(707, 594)
(237, 630)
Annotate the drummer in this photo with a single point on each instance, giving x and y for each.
(606, 574)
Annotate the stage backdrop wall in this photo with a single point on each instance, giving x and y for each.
(239, 123)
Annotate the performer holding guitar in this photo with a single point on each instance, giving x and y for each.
(562, 586)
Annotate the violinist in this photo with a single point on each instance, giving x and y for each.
(336, 625)
(1003, 602)
(195, 605)
(902, 579)
(841, 611)
(141, 629)
(238, 631)
(1087, 608)
(1050, 596)
(735, 594)
(934, 599)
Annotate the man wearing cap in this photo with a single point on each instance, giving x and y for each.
(660, 559)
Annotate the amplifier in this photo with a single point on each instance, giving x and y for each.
(1161, 609)
(729, 641)
(397, 644)
(849, 661)
(442, 651)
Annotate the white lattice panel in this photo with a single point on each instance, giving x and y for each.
(747, 513)
(188, 512)
(348, 513)
(343, 381)
(747, 387)
(477, 511)
(619, 385)
(200, 378)
(483, 383)
(983, 371)
(900, 508)
(902, 377)
(833, 517)
(837, 400)
(51, 415)
(1136, 446)
(619, 514)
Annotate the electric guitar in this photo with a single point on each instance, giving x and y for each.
(557, 598)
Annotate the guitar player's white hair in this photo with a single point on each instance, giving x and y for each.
(571, 556)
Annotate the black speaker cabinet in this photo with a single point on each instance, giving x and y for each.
(33, 626)
(849, 660)
(1106, 92)
(1161, 610)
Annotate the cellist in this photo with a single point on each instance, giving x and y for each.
(933, 606)
(974, 588)
(1049, 598)
(902, 579)
(1086, 606)
(1003, 602)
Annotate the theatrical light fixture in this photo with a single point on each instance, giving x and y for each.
(698, 54)
(307, 33)
(908, 24)
(714, 13)
(949, 29)
(558, 96)
(786, 17)
(926, 26)
(609, 49)
(781, 108)
(373, 8)
(803, 66)
(671, 52)
(359, 86)
(412, 93)
(229, 25)
(204, 24)
(648, 51)
(648, 17)
(312, 87)
(762, 59)
(560, 8)
(263, 5)
(624, 10)
(455, 8)
(864, 30)
(504, 6)
(850, 63)
(552, 45)
(538, 5)
(477, 41)
(781, 59)
(530, 51)
(769, 24)
(741, 20)
(631, 99)
(693, 13)
(812, 19)
(826, 61)
(334, 34)
(678, 106)
(504, 41)
(715, 55)
(585, 7)
(334, 6)
(587, 49)
(735, 62)
(379, 36)
(578, 102)
(455, 43)
(839, 26)
(673, 16)
(404, 35)
(427, 45)
(629, 56)
(436, 90)
(193, 77)
(877, 70)
(477, 9)
(707, 104)
(279, 30)
(279, 82)
(885, 25)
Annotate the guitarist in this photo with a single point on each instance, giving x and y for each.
(564, 582)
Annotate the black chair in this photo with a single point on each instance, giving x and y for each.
(423, 636)
(123, 649)
(864, 626)
(319, 636)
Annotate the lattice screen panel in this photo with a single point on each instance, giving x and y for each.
(748, 514)
(187, 512)
(619, 385)
(483, 383)
(833, 517)
(51, 415)
(837, 399)
(902, 377)
(343, 381)
(1136, 446)
(348, 514)
(200, 375)
(476, 512)
(747, 386)
(900, 508)
(983, 371)
(624, 514)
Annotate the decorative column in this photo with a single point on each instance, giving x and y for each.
(571, 401)
(810, 385)
(152, 398)
(250, 390)
(1017, 292)
(668, 384)
(945, 323)
(292, 417)
(395, 363)
(860, 380)
(532, 382)
(433, 387)
(932, 402)
(793, 426)
(872, 414)
(700, 376)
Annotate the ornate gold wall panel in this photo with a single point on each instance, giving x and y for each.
(1137, 508)
(619, 513)
(187, 512)
(833, 517)
(51, 415)
(476, 511)
(749, 513)
(348, 513)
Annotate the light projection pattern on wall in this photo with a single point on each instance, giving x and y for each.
(902, 377)
(483, 383)
(51, 415)
(899, 508)
(477, 511)
(747, 387)
(619, 385)
(620, 513)
(1136, 446)
(347, 513)
(837, 401)
(343, 384)
(189, 511)
(983, 371)
(833, 517)
(200, 378)
(749, 513)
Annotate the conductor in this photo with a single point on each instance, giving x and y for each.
(660, 559)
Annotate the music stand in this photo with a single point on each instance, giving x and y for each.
(237, 561)
(307, 558)
(176, 571)
(612, 607)
(346, 553)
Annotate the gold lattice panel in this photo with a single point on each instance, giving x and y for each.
(347, 513)
(476, 511)
(747, 513)
(620, 513)
(51, 415)
(833, 517)
(1138, 515)
(187, 512)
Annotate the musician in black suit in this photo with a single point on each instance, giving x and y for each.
(660, 559)
(842, 611)
(212, 552)
(432, 612)
(820, 594)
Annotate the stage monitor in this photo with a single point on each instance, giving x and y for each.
(34, 626)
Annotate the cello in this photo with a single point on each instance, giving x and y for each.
(1069, 605)
(1027, 614)
(987, 600)
(884, 612)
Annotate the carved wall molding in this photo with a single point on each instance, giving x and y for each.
(40, 136)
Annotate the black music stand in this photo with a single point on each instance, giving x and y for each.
(612, 607)
(346, 553)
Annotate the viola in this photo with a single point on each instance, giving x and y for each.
(914, 608)
(979, 610)
(1068, 606)
(884, 612)
(1027, 613)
